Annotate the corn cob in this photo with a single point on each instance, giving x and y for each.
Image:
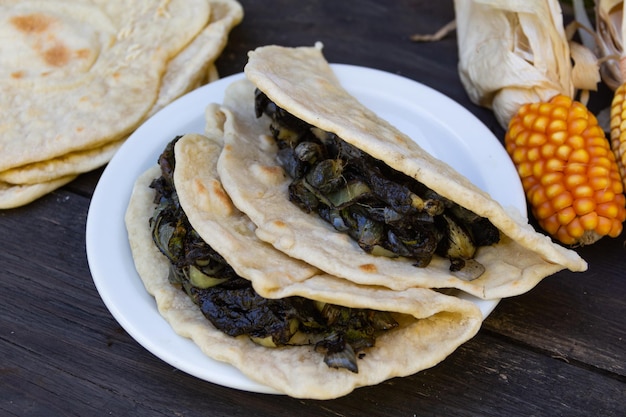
(618, 129)
(568, 171)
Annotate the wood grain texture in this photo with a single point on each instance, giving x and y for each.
(557, 350)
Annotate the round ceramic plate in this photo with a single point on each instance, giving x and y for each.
(440, 125)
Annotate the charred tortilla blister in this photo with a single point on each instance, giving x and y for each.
(385, 211)
(230, 303)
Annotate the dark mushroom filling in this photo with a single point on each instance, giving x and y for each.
(387, 212)
(230, 303)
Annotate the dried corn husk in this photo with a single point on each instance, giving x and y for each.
(608, 42)
(513, 52)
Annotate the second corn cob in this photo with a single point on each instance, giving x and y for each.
(618, 128)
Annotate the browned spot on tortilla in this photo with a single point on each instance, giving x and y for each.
(57, 56)
(272, 170)
(17, 74)
(82, 53)
(80, 129)
(199, 187)
(369, 268)
(212, 199)
(280, 223)
(37, 23)
(31, 23)
(219, 193)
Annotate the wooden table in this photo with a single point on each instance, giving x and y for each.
(560, 349)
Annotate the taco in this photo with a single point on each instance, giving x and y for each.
(329, 182)
(280, 321)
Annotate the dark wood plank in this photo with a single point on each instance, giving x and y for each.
(574, 316)
(86, 183)
(369, 33)
(482, 373)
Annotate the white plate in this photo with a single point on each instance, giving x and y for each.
(438, 124)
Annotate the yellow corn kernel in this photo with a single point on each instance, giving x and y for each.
(600, 182)
(544, 210)
(582, 191)
(605, 225)
(545, 109)
(575, 141)
(559, 137)
(554, 190)
(577, 126)
(566, 215)
(607, 210)
(537, 196)
(552, 224)
(548, 150)
(554, 164)
(574, 180)
(533, 154)
(525, 169)
(580, 155)
(564, 151)
(606, 196)
(555, 129)
(563, 201)
(551, 178)
(575, 229)
(541, 123)
(598, 171)
(575, 168)
(584, 206)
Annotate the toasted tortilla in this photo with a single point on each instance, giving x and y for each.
(95, 81)
(72, 163)
(432, 325)
(300, 81)
(12, 196)
(78, 77)
(194, 65)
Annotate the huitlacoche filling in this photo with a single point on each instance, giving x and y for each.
(230, 303)
(387, 212)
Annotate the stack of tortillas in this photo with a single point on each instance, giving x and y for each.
(78, 76)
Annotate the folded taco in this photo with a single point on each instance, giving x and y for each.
(329, 182)
(277, 319)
